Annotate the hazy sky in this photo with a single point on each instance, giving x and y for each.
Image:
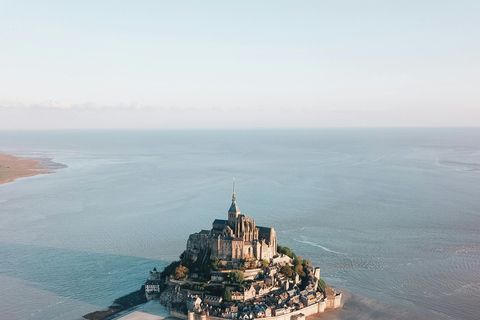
(239, 64)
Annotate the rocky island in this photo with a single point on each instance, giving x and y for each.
(236, 270)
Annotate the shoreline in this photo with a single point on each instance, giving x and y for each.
(358, 307)
(124, 303)
(354, 306)
(13, 167)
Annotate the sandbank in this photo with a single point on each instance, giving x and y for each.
(137, 315)
(354, 307)
(362, 308)
(12, 168)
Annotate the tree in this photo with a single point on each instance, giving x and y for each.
(198, 287)
(297, 261)
(299, 270)
(321, 284)
(214, 264)
(227, 295)
(169, 271)
(286, 271)
(236, 276)
(306, 263)
(181, 272)
(265, 264)
(285, 251)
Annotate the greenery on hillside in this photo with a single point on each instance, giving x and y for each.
(181, 272)
(227, 295)
(167, 272)
(236, 277)
(286, 251)
(299, 267)
(321, 284)
(181, 269)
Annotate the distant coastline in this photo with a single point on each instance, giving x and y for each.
(13, 168)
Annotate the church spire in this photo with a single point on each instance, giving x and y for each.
(233, 196)
(234, 208)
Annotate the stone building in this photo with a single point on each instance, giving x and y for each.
(235, 239)
(152, 286)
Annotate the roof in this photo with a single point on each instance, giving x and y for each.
(219, 224)
(264, 230)
(193, 298)
(234, 207)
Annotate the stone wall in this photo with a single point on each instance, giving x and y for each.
(251, 274)
(223, 250)
(318, 307)
(334, 302)
(198, 242)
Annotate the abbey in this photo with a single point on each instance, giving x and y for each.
(235, 239)
(233, 271)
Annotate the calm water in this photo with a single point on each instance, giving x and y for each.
(392, 215)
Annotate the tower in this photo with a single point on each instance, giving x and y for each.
(234, 211)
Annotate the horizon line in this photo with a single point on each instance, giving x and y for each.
(239, 129)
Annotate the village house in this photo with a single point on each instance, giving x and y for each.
(193, 303)
(217, 276)
(152, 285)
(212, 300)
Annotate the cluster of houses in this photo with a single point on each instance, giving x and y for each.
(266, 293)
(273, 304)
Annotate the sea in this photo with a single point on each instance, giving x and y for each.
(392, 216)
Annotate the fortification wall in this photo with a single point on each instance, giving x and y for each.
(318, 307)
(334, 302)
(307, 311)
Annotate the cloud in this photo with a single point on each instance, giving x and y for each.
(66, 105)
(50, 104)
(19, 105)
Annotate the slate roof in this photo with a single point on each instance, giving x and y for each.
(234, 207)
(219, 224)
(264, 230)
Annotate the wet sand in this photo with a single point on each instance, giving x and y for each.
(355, 307)
(12, 168)
(137, 315)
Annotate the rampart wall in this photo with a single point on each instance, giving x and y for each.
(317, 307)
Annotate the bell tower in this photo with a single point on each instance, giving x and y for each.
(234, 211)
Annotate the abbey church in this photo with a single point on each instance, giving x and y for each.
(235, 239)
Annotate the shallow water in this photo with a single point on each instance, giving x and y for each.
(389, 214)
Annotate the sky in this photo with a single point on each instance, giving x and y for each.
(239, 64)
